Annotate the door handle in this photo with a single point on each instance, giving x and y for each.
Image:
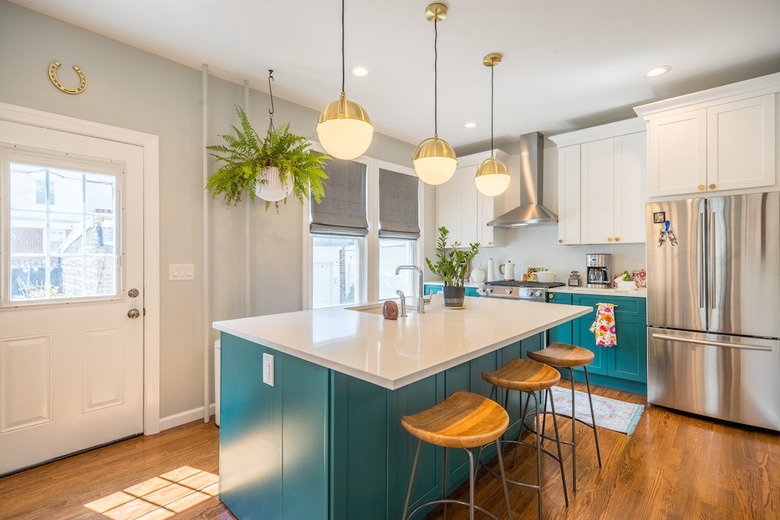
(713, 343)
(133, 313)
(700, 258)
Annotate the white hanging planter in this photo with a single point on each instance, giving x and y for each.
(273, 189)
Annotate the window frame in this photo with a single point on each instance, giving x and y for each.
(51, 159)
(369, 245)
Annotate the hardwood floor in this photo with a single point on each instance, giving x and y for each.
(145, 466)
(674, 466)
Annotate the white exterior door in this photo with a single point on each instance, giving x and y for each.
(71, 293)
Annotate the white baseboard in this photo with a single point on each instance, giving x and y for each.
(184, 417)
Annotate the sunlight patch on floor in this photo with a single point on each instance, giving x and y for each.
(159, 497)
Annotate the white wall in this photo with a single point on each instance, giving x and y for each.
(138, 90)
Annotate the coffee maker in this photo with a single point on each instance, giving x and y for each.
(598, 270)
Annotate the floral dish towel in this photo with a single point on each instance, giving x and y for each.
(604, 326)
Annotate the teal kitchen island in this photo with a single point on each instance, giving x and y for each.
(324, 440)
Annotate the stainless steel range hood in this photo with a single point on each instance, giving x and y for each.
(531, 186)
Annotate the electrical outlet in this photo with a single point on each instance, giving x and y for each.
(268, 369)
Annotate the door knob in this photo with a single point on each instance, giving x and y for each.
(133, 313)
(133, 293)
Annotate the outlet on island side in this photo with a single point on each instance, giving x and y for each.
(268, 369)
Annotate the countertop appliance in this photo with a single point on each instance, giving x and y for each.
(532, 291)
(713, 303)
(598, 267)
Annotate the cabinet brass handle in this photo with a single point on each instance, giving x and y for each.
(609, 239)
(712, 186)
(617, 239)
(551, 296)
(701, 186)
(560, 241)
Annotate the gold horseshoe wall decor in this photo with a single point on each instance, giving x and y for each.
(53, 77)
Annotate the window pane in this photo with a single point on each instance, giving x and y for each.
(62, 234)
(392, 253)
(335, 271)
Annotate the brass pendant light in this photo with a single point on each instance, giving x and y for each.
(344, 128)
(492, 176)
(434, 159)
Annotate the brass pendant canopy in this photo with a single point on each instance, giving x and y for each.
(492, 177)
(434, 159)
(343, 108)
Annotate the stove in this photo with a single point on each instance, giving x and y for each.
(530, 291)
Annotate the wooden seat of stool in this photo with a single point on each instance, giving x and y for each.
(463, 420)
(524, 375)
(563, 355)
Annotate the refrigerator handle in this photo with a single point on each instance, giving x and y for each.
(712, 274)
(700, 255)
(763, 348)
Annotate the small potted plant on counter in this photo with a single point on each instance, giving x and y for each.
(452, 265)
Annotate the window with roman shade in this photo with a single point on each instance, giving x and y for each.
(342, 211)
(398, 205)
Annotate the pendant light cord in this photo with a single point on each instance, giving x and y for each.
(491, 109)
(271, 93)
(435, 77)
(343, 61)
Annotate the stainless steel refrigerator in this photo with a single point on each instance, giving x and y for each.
(713, 307)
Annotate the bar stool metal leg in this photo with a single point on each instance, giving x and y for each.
(560, 457)
(411, 480)
(573, 431)
(592, 415)
(537, 424)
(503, 478)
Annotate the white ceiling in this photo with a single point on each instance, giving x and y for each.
(567, 63)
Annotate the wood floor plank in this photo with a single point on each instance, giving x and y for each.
(674, 466)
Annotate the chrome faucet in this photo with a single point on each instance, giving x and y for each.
(420, 289)
(400, 294)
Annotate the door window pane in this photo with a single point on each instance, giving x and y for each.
(335, 271)
(392, 253)
(62, 234)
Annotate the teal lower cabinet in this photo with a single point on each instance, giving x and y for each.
(561, 333)
(323, 445)
(624, 366)
(432, 288)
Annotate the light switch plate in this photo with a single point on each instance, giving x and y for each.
(180, 272)
(268, 369)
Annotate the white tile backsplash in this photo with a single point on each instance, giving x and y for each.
(538, 247)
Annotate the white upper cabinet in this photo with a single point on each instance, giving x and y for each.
(601, 184)
(462, 209)
(717, 140)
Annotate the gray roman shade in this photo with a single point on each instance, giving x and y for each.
(342, 211)
(398, 206)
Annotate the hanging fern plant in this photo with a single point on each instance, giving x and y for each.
(245, 156)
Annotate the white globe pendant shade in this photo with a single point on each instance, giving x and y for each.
(273, 189)
(492, 177)
(344, 129)
(434, 161)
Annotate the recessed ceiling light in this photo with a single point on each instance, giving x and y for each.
(471, 124)
(658, 71)
(360, 72)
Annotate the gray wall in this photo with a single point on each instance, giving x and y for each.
(138, 90)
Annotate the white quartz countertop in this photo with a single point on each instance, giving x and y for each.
(635, 293)
(391, 353)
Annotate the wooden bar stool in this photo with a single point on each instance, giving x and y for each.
(463, 420)
(562, 355)
(529, 377)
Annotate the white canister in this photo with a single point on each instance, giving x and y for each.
(491, 270)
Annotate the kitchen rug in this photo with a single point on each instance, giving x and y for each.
(612, 414)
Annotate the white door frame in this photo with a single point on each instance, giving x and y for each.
(151, 260)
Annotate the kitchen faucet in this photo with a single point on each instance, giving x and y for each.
(420, 289)
(402, 297)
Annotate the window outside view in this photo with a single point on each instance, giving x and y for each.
(335, 271)
(392, 253)
(62, 234)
